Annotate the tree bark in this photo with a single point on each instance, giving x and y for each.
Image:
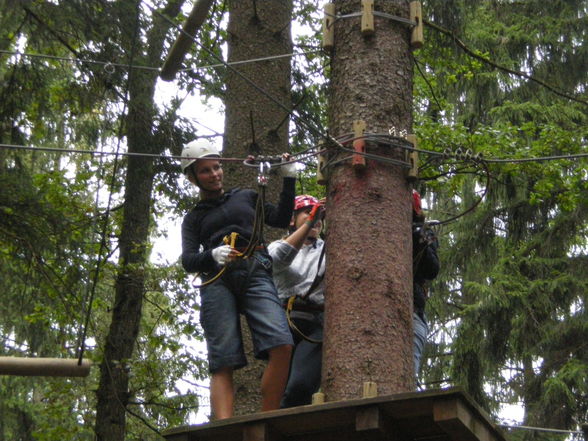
(368, 329)
(256, 124)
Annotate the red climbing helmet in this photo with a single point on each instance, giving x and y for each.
(417, 208)
(305, 200)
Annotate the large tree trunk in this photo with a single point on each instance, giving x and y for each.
(113, 391)
(368, 331)
(256, 29)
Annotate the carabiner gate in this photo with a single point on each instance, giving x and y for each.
(264, 169)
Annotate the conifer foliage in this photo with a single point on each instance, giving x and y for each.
(500, 110)
(509, 310)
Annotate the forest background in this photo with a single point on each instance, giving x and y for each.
(500, 111)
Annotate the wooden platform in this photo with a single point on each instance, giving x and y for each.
(442, 415)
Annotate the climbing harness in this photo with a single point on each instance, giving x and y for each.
(256, 242)
(289, 308)
(292, 299)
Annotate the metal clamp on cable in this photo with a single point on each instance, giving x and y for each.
(264, 169)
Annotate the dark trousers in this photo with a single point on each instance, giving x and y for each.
(305, 369)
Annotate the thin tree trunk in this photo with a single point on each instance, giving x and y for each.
(368, 330)
(255, 124)
(113, 391)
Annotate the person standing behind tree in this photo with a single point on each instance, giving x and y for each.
(425, 268)
(299, 269)
(236, 277)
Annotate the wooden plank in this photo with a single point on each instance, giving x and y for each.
(305, 419)
(455, 418)
(446, 415)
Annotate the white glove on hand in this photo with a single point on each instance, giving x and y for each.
(221, 254)
(288, 170)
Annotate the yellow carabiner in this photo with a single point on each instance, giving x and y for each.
(232, 241)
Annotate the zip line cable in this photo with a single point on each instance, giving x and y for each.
(275, 160)
(543, 429)
(428, 152)
(82, 340)
(417, 63)
(300, 119)
(109, 66)
(316, 130)
(385, 138)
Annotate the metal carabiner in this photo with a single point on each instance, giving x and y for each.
(264, 169)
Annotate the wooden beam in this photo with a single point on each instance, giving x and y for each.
(47, 367)
(260, 432)
(458, 421)
(255, 432)
(368, 418)
(370, 389)
(416, 14)
(328, 26)
(185, 39)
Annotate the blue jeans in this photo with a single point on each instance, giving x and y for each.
(305, 369)
(420, 330)
(246, 288)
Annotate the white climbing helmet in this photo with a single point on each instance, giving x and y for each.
(199, 148)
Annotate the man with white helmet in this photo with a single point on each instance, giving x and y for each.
(233, 285)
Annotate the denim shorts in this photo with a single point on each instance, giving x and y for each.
(246, 288)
